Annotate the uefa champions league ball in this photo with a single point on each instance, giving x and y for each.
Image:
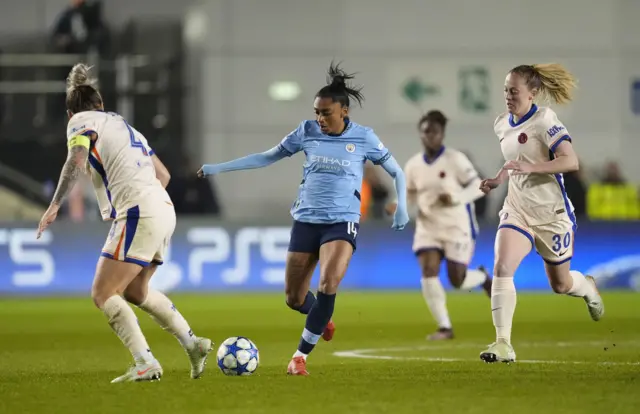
(238, 356)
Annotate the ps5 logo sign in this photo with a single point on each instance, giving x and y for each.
(25, 250)
(214, 245)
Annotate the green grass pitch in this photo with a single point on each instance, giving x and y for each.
(59, 356)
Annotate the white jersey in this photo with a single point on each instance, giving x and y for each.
(538, 198)
(450, 172)
(122, 171)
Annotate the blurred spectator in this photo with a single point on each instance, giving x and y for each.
(612, 174)
(190, 194)
(613, 198)
(80, 28)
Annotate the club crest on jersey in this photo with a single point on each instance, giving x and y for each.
(350, 147)
(522, 138)
(442, 174)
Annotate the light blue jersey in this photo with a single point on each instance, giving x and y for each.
(333, 170)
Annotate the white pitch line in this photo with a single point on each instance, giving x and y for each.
(368, 353)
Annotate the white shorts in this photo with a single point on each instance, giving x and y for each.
(553, 241)
(141, 240)
(457, 250)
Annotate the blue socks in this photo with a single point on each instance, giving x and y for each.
(309, 301)
(317, 319)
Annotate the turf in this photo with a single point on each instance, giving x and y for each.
(58, 356)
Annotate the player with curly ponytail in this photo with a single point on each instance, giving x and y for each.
(326, 212)
(537, 212)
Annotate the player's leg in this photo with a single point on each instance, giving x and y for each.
(337, 245)
(302, 259)
(513, 243)
(458, 255)
(554, 242)
(111, 279)
(433, 291)
(299, 270)
(152, 240)
(162, 310)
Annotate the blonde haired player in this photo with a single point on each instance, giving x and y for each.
(536, 211)
(443, 184)
(130, 186)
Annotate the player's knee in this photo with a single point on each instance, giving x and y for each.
(430, 271)
(328, 286)
(294, 301)
(456, 277)
(134, 295)
(500, 269)
(99, 297)
(560, 287)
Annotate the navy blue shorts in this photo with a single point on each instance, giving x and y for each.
(308, 237)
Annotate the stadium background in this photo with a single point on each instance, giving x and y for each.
(208, 81)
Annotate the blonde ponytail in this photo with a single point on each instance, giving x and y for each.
(556, 82)
(552, 81)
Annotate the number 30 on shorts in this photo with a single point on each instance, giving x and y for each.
(561, 241)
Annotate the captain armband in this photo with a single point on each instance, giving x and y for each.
(79, 140)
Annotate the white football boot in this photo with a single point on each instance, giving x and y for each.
(595, 304)
(499, 351)
(198, 356)
(141, 372)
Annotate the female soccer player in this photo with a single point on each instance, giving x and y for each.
(536, 212)
(444, 184)
(327, 211)
(130, 184)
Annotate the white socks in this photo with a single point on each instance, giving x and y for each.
(436, 299)
(581, 288)
(163, 311)
(300, 354)
(473, 279)
(503, 306)
(124, 323)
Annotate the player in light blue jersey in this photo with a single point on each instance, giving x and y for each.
(326, 212)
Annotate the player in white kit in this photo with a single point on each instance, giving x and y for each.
(537, 213)
(443, 184)
(130, 186)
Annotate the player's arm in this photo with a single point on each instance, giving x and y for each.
(290, 145)
(249, 162)
(565, 160)
(468, 178)
(75, 164)
(162, 173)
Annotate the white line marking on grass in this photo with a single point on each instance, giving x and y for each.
(374, 353)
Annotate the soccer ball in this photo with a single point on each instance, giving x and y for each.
(238, 356)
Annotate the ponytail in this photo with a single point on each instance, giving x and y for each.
(552, 80)
(339, 88)
(82, 94)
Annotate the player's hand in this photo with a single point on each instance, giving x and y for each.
(207, 169)
(519, 167)
(400, 219)
(48, 218)
(489, 184)
(445, 199)
(390, 208)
